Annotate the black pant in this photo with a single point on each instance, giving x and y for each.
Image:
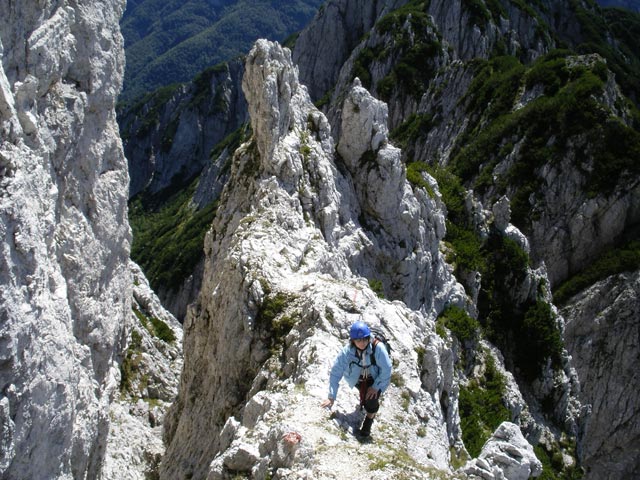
(371, 405)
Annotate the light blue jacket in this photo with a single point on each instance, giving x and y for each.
(347, 365)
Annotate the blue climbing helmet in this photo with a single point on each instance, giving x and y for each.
(359, 330)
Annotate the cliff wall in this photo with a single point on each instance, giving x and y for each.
(66, 286)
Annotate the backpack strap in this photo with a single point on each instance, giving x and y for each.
(374, 344)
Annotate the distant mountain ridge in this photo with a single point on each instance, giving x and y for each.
(171, 41)
(628, 4)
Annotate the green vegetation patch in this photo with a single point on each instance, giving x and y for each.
(415, 177)
(553, 467)
(541, 339)
(362, 64)
(464, 327)
(568, 116)
(415, 128)
(478, 13)
(377, 287)
(494, 87)
(527, 333)
(271, 317)
(482, 409)
(156, 327)
(130, 364)
(623, 259)
(621, 55)
(168, 239)
(466, 245)
(414, 48)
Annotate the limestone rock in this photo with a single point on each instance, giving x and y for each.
(148, 384)
(602, 336)
(404, 227)
(344, 22)
(506, 455)
(66, 286)
(185, 128)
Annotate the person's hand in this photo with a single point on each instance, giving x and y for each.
(328, 403)
(371, 393)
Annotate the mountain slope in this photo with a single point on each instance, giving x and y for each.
(532, 131)
(168, 42)
(500, 124)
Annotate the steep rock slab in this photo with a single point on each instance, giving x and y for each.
(63, 217)
(169, 141)
(345, 23)
(602, 335)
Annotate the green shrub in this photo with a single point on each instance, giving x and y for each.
(460, 323)
(468, 250)
(495, 86)
(413, 49)
(271, 318)
(569, 112)
(482, 409)
(363, 62)
(155, 327)
(162, 330)
(526, 332)
(131, 362)
(541, 340)
(417, 126)
(415, 178)
(479, 15)
(553, 467)
(377, 287)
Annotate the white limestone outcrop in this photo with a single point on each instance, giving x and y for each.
(505, 456)
(66, 286)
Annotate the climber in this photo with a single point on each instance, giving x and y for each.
(364, 363)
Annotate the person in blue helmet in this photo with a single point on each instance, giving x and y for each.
(364, 367)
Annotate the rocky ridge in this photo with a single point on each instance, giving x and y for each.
(289, 242)
(66, 287)
(570, 225)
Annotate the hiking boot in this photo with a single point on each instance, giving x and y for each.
(365, 429)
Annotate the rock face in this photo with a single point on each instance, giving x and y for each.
(283, 282)
(149, 383)
(63, 217)
(572, 225)
(344, 22)
(602, 334)
(169, 141)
